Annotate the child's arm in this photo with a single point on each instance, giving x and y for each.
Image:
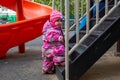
(54, 37)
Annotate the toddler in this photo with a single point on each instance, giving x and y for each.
(53, 48)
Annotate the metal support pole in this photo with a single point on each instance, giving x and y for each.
(61, 7)
(66, 39)
(88, 16)
(53, 4)
(115, 2)
(77, 19)
(82, 7)
(106, 7)
(97, 11)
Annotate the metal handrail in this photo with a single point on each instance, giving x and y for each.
(94, 27)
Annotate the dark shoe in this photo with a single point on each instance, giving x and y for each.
(47, 72)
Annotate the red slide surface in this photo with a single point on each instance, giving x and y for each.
(30, 15)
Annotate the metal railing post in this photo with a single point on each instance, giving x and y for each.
(115, 2)
(82, 6)
(53, 4)
(77, 19)
(97, 11)
(106, 7)
(87, 16)
(66, 40)
(61, 7)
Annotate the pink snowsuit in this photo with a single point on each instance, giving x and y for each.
(53, 50)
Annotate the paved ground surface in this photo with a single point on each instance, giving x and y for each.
(27, 66)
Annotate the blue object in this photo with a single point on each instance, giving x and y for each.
(83, 21)
(101, 5)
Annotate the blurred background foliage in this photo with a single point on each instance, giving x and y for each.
(72, 5)
(47, 2)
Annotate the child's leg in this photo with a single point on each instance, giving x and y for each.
(48, 66)
(59, 55)
(59, 60)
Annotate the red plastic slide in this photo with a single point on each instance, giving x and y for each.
(30, 15)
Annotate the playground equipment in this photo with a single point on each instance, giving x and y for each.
(88, 45)
(30, 15)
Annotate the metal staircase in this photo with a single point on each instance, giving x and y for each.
(95, 44)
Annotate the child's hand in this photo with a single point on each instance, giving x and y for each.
(61, 38)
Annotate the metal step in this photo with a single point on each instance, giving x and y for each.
(103, 26)
(95, 51)
(82, 33)
(78, 51)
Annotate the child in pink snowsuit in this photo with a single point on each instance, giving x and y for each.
(53, 48)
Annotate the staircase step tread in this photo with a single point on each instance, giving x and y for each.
(80, 49)
(107, 19)
(95, 33)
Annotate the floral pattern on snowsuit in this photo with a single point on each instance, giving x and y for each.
(53, 50)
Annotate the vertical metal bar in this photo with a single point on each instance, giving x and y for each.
(115, 2)
(53, 4)
(87, 16)
(82, 6)
(97, 11)
(61, 7)
(66, 39)
(106, 7)
(77, 19)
